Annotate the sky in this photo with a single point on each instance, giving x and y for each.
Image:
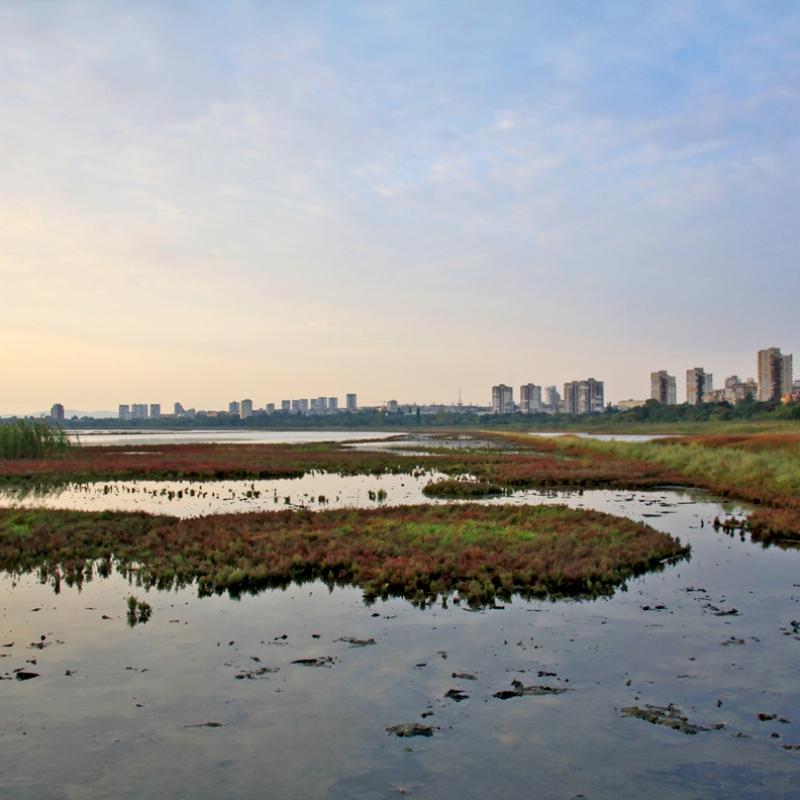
(205, 201)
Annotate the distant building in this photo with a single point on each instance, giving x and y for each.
(351, 402)
(698, 384)
(663, 388)
(333, 404)
(738, 391)
(246, 409)
(392, 407)
(139, 411)
(179, 410)
(530, 398)
(57, 412)
(286, 405)
(627, 405)
(270, 408)
(502, 399)
(155, 410)
(319, 405)
(584, 397)
(774, 374)
(233, 407)
(124, 411)
(552, 398)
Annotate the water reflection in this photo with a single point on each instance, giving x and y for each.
(219, 697)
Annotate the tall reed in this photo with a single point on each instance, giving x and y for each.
(31, 439)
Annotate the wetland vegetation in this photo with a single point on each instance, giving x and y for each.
(418, 552)
(25, 439)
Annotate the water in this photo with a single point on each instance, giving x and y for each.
(315, 491)
(117, 726)
(135, 437)
(612, 437)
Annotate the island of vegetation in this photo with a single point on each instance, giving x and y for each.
(418, 552)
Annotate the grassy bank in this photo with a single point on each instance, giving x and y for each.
(418, 552)
(760, 469)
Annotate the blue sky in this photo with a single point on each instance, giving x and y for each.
(206, 201)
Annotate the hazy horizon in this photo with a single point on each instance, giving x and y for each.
(272, 200)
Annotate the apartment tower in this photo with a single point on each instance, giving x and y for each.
(774, 374)
(663, 388)
(698, 383)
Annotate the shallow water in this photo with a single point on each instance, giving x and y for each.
(117, 726)
(142, 437)
(610, 437)
(314, 491)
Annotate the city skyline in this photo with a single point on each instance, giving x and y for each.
(403, 199)
(580, 396)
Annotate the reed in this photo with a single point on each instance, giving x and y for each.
(21, 438)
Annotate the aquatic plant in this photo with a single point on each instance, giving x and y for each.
(139, 612)
(461, 488)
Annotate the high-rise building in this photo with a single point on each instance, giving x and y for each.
(246, 409)
(552, 398)
(351, 403)
(333, 404)
(139, 411)
(392, 407)
(319, 405)
(179, 409)
(286, 405)
(584, 397)
(737, 391)
(774, 374)
(57, 412)
(155, 410)
(698, 383)
(270, 408)
(530, 398)
(663, 388)
(124, 411)
(233, 407)
(502, 399)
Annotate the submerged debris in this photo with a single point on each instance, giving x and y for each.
(353, 642)
(669, 716)
(456, 694)
(320, 661)
(410, 729)
(252, 674)
(518, 689)
(205, 725)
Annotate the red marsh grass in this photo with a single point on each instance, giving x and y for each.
(418, 552)
(200, 461)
